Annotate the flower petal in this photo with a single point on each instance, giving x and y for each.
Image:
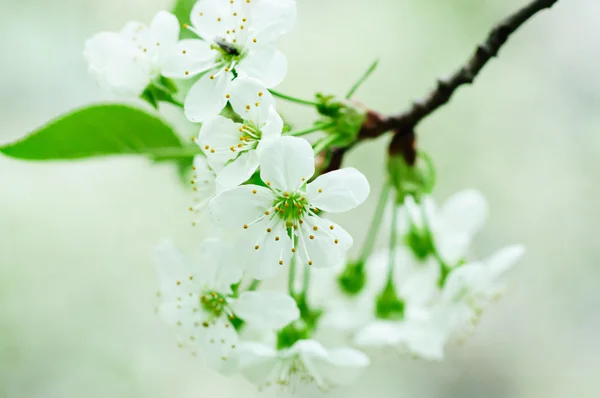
(321, 247)
(287, 163)
(267, 64)
(207, 97)
(465, 212)
(240, 206)
(379, 334)
(217, 136)
(267, 310)
(164, 28)
(272, 129)
(238, 170)
(217, 343)
(211, 18)
(265, 248)
(272, 18)
(338, 191)
(251, 100)
(188, 58)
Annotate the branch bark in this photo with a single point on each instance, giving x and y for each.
(405, 122)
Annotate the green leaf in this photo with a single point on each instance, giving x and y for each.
(101, 130)
(182, 10)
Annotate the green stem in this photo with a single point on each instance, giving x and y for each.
(293, 99)
(393, 242)
(431, 169)
(185, 152)
(375, 224)
(324, 143)
(363, 78)
(292, 276)
(318, 127)
(305, 281)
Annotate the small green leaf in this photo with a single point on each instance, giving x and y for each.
(101, 130)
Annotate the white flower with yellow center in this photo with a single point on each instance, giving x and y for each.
(236, 36)
(305, 361)
(196, 299)
(232, 148)
(283, 219)
(128, 61)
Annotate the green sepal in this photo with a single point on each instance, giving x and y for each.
(389, 305)
(353, 279)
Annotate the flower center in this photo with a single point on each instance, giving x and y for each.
(291, 207)
(214, 303)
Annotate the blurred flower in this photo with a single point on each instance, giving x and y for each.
(128, 61)
(445, 232)
(306, 360)
(237, 39)
(196, 298)
(279, 220)
(232, 148)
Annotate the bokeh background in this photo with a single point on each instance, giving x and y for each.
(76, 279)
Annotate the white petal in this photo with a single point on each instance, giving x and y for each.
(345, 365)
(256, 361)
(211, 18)
(380, 334)
(272, 129)
(251, 100)
(265, 248)
(218, 343)
(215, 265)
(266, 64)
(239, 170)
(127, 77)
(267, 310)
(426, 340)
(287, 163)
(240, 206)
(322, 247)
(165, 28)
(465, 212)
(504, 259)
(272, 18)
(338, 191)
(207, 97)
(188, 58)
(420, 285)
(217, 136)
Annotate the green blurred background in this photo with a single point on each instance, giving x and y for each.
(76, 280)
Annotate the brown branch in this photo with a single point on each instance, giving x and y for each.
(405, 122)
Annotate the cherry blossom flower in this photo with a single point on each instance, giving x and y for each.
(232, 148)
(446, 232)
(237, 39)
(305, 361)
(126, 62)
(197, 300)
(283, 219)
(425, 332)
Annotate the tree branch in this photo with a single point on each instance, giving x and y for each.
(404, 123)
(468, 72)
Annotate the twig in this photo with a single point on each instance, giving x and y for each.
(405, 122)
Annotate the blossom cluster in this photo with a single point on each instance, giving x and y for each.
(257, 182)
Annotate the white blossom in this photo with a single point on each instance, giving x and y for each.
(283, 219)
(126, 62)
(196, 299)
(424, 331)
(450, 229)
(236, 35)
(232, 148)
(305, 361)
